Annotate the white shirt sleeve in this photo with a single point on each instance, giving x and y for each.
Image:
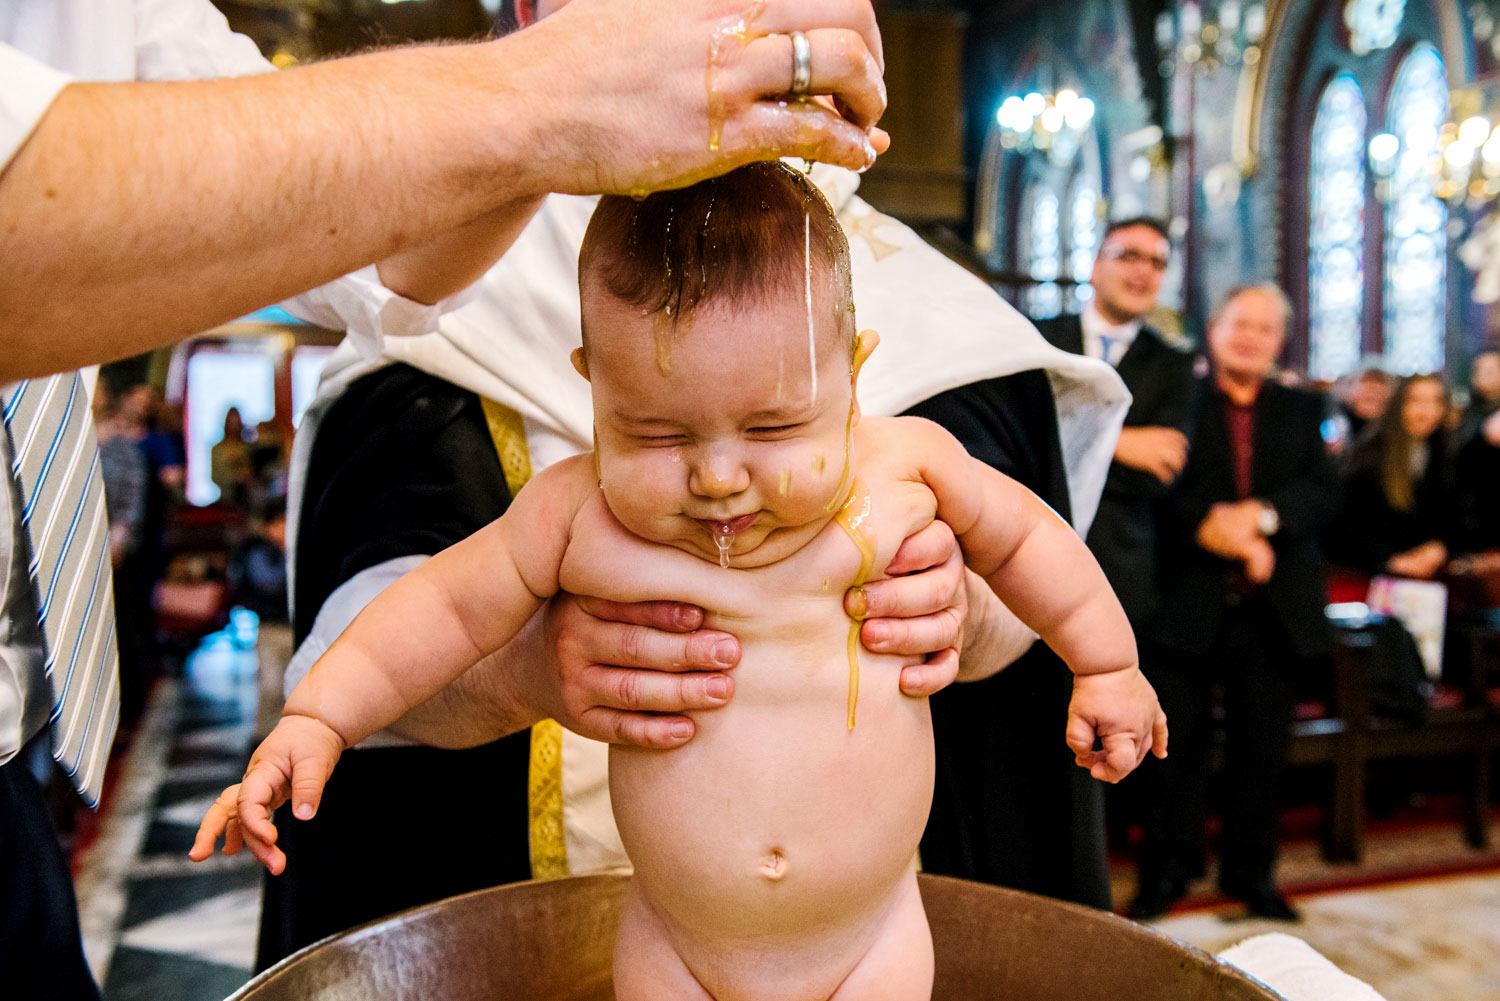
(148, 40)
(190, 40)
(27, 87)
(368, 312)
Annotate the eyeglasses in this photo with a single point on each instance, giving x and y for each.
(1129, 255)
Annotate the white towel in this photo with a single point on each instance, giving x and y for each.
(1296, 970)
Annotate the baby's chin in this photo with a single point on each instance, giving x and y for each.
(743, 547)
(759, 546)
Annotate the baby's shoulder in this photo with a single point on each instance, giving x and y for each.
(573, 479)
(553, 498)
(910, 430)
(904, 445)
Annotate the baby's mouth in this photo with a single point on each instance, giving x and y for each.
(733, 526)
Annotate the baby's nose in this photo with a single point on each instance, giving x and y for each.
(718, 473)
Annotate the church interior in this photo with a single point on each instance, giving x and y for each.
(1338, 160)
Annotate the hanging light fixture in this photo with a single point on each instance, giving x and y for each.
(1206, 36)
(1053, 123)
(1460, 159)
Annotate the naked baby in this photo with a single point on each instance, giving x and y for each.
(775, 854)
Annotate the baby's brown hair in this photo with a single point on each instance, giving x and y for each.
(749, 232)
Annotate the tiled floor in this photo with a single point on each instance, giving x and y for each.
(160, 928)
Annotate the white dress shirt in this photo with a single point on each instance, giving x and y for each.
(45, 45)
(1099, 332)
(24, 698)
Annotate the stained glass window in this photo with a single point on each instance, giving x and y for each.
(1336, 243)
(1373, 24)
(1043, 231)
(1083, 241)
(1416, 240)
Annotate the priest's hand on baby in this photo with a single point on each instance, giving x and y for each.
(919, 610)
(623, 673)
(1120, 709)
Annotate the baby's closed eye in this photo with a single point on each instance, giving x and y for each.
(778, 430)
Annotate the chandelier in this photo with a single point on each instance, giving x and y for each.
(1055, 124)
(1459, 159)
(1206, 36)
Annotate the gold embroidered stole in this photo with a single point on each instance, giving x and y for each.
(544, 792)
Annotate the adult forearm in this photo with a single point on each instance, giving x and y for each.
(139, 213)
(994, 636)
(488, 702)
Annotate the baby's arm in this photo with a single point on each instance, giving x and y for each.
(415, 638)
(1042, 570)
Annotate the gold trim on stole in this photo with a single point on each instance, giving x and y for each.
(544, 792)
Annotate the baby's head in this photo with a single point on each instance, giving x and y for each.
(719, 340)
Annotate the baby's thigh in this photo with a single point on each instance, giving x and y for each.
(646, 967)
(898, 966)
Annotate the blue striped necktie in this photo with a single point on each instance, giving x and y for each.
(1107, 344)
(56, 463)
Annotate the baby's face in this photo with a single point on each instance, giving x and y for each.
(735, 438)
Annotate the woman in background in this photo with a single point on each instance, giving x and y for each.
(229, 461)
(1399, 506)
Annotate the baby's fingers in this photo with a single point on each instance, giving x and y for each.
(1159, 735)
(1118, 759)
(308, 777)
(234, 838)
(219, 818)
(259, 795)
(265, 852)
(1080, 738)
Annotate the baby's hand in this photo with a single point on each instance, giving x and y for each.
(1120, 708)
(294, 762)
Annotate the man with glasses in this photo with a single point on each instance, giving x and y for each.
(1153, 445)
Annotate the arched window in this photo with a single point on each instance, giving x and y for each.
(1042, 238)
(1040, 200)
(1083, 240)
(1416, 240)
(1336, 241)
(1373, 24)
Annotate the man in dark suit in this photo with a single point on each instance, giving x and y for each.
(1242, 596)
(1153, 444)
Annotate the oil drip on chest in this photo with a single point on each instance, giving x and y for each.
(854, 519)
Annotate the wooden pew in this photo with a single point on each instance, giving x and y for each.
(1462, 722)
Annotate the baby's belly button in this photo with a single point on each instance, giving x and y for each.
(773, 865)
